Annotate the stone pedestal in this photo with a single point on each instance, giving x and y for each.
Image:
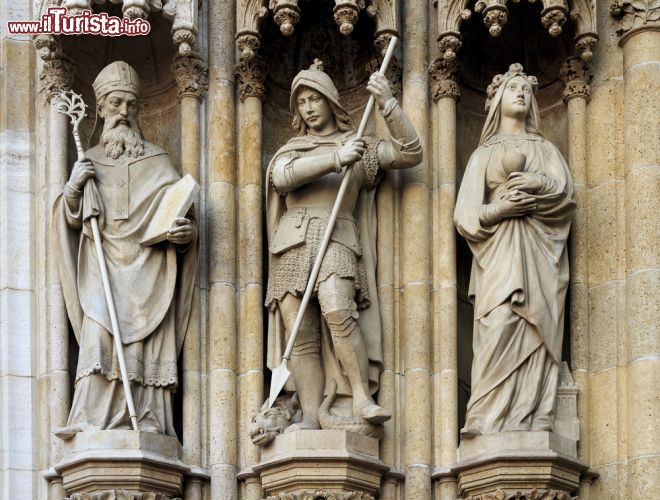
(321, 463)
(125, 464)
(534, 464)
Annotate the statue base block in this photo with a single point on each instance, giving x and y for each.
(126, 464)
(517, 463)
(517, 440)
(327, 462)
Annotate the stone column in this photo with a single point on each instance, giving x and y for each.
(251, 74)
(576, 75)
(445, 93)
(221, 223)
(641, 76)
(415, 254)
(191, 74)
(18, 428)
(386, 279)
(56, 75)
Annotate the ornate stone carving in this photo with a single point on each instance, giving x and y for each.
(182, 14)
(322, 495)
(191, 74)
(250, 14)
(635, 14)
(269, 422)
(553, 16)
(518, 368)
(48, 47)
(394, 71)
(120, 495)
(251, 74)
(525, 495)
(346, 14)
(584, 46)
(576, 75)
(58, 71)
(286, 14)
(449, 45)
(247, 44)
(56, 75)
(384, 13)
(444, 75)
(495, 15)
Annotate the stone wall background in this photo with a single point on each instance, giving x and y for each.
(614, 342)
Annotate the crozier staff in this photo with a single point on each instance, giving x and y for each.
(514, 208)
(152, 286)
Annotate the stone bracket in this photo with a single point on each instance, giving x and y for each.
(337, 462)
(126, 464)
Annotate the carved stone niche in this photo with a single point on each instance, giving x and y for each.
(321, 464)
(121, 465)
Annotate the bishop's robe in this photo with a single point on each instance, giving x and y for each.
(152, 288)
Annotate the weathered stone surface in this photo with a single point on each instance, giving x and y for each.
(296, 462)
(140, 462)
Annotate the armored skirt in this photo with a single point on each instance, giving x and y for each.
(290, 270)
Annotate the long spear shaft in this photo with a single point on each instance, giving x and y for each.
(281, 373)
(75, 109)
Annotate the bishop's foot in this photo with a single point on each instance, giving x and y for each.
(372, 413)
(470, 432)
(304, 425)
(66, 433)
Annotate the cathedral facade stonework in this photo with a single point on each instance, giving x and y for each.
(331, 249)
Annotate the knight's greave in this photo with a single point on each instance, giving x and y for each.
(350, 349)
(305, 367)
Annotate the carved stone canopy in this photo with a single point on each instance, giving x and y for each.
(495, 13)
(287, 14)
(182, 14)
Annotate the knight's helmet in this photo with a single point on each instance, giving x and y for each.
(317, 79)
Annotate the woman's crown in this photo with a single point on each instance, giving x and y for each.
(515, 69)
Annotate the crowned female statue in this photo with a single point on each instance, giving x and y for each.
(514, 208)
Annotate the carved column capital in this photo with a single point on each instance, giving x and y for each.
(584, 46)
(444, 76)
(247, 44)
(576, 75)
(382, 41)
(251, 75)
(636, 15)
(57, 74)
(191, 74)
(394, 73)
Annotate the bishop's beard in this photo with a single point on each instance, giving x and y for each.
(118, 137)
